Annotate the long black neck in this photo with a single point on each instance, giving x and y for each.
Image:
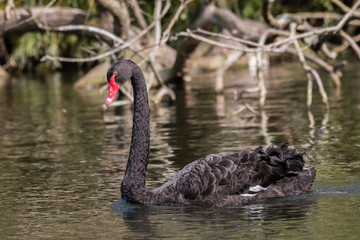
(133, 187)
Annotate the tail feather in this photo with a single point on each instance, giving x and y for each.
(279, 164)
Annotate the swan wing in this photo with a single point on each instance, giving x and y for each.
(218, 175)
(215, 173)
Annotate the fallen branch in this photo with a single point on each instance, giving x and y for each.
(219, 75)
(309, 72)
(213, 16)
(158, 15)
(314, 38)
(333, 30)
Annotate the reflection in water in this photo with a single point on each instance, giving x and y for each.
(254, 219)
(322, 128)
(61, 166)
(264, 127)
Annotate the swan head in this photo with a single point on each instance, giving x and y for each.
(118, 73)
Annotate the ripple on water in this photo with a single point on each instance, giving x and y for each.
(61, 166)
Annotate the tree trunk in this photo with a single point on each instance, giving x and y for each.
(120, 12)
(23, 20)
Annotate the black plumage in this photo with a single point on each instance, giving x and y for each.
(223, 179)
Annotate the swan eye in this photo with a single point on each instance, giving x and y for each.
(115, 73)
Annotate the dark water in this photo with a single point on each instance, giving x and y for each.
(62, 160)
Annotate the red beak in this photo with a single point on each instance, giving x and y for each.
(113, 89)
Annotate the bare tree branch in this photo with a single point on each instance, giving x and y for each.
(345, 8)
(103, 55)
(328, 30)
(219, 75)
(267, 15)
(138, 14)
(227, 37)
(286, 42)
(351, 42)
(191, 34)
(9, 5)
(166, 33)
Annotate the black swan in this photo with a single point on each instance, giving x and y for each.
(223, 179)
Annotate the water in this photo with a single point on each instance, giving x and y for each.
(62, 159)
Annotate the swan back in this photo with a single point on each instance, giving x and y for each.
(230, 178)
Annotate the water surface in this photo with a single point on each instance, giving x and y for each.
(62, 159)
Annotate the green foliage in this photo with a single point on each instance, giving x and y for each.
(82, 4)
(252, 10)
(326, 4)
(30, 47)
(34, 45)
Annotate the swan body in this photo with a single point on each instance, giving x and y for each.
(223, 179)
